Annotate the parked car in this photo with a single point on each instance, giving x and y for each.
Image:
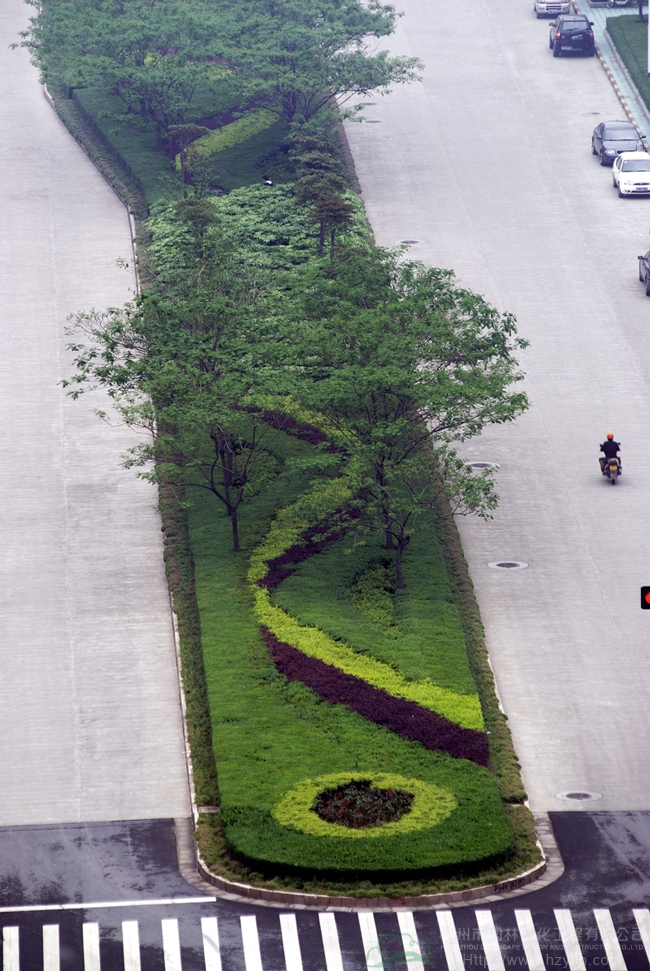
(644, 272)
(612, 138)
(572, 34)
(631, 174)
(545, 8)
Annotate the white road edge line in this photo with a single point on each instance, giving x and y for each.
(163, 902)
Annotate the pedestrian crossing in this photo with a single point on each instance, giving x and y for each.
(377, 951)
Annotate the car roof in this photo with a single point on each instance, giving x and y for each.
(581, 18)
(618, 124)
(626, 155)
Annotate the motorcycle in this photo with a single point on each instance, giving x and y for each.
(622, 3)
(611, 468)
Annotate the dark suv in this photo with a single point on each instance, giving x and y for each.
(572, 34)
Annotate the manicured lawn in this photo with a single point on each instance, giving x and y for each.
(631, 40)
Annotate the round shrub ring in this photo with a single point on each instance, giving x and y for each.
(431, 805)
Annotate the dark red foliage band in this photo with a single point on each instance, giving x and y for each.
(405, 718)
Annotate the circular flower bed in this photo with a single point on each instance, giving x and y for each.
(358, 805)
(430, 805)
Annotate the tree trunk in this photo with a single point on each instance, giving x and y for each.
(321, 237)
(402, 543)
(235, 528)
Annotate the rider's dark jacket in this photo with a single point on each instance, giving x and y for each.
(610, 448)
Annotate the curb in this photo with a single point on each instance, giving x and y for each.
(194, 870)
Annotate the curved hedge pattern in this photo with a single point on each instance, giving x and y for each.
(432, 804)
(406, 718)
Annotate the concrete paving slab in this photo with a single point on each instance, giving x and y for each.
(487, 163)
(90, 723)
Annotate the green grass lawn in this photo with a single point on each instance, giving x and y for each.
(630, 37)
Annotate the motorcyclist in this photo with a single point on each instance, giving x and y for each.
(611, 450)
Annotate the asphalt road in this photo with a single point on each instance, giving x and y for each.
(90, 724)
(113, 900)
(487, 164)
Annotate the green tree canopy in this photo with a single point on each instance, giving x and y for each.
(405, 362)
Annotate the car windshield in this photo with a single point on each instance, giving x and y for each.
(620, 135)
(636, 165)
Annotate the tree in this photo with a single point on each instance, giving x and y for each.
(151, 54)
(183, 363)
(296, 58)
(404, 362)
(331, 212)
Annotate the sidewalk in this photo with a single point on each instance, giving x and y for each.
(623, 84)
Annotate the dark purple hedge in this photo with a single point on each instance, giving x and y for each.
(403, 717)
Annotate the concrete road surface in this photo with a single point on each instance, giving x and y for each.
(90, 725)
(487, 164)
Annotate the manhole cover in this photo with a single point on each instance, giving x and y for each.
(409, 241)
(508, 565)
(372, 121)
(578, 795)
(369, 104)
(483, 465)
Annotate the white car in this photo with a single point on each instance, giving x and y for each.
(550, 8)
(631, 174)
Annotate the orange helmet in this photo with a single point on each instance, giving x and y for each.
(610, 434)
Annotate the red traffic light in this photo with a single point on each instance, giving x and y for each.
(645, 598)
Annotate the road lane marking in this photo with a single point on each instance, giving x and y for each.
(290, 942)
(489, 940)
(162, 902)
(410, 941)
(642, 918)
(331, 947)
(51, 953)
(450, 943)
(171, 945)
(91, 947)
(211, 948)
(251, 942)
(570, 941)
(371, 949)
(529, 940)
(131, 945)
(10, 953)
(610, 940)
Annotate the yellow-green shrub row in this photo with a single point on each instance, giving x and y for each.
(463, 710)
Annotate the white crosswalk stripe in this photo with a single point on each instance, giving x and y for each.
(490, 941)
(251, 942)
(610, 940)
(370, 939)
(51, 955)
(570, 941)
(378, 949)
(211, 948)
(331, 946)
(10, 953)
(171, 945)
(642, 918)
(131, 945)
(450, 943)
(290, 942)
(529, 940)
(410, 941)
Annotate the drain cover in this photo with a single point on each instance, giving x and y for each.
(483, 465)
(508, 565)
(578, 795)
(409, 241)
(372, 121)
(369, 104)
